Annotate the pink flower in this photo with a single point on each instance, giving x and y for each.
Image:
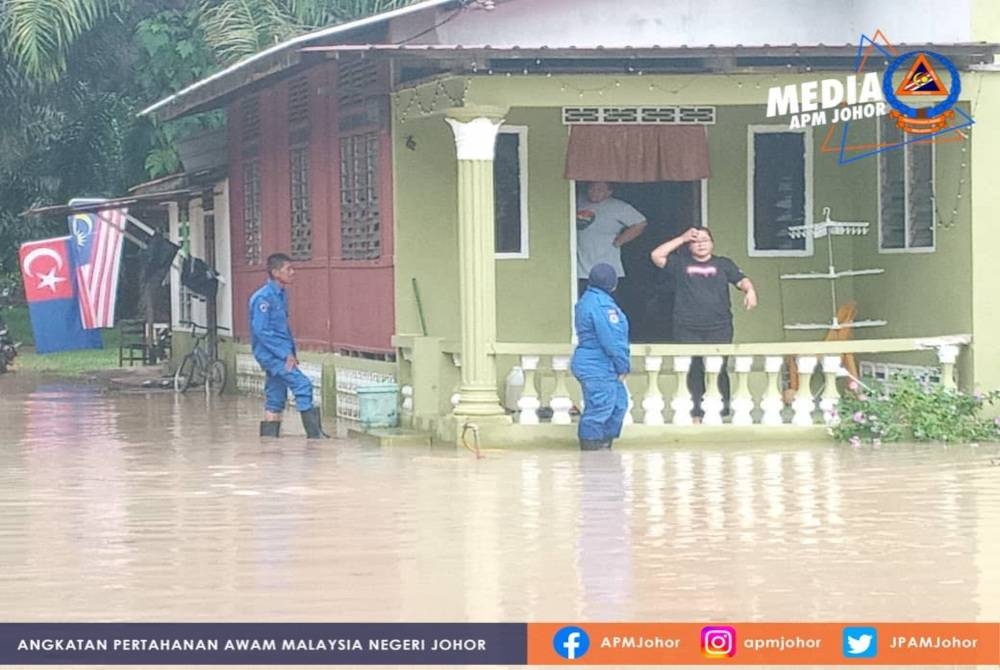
(856, 442)
(859, 417)
(852, 385)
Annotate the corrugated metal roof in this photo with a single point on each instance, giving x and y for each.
(598, 50)
(150, 199)
(278, 55)
(211, 90)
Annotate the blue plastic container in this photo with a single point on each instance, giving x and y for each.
(378, 405)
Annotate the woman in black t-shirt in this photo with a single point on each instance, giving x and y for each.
(702, 310)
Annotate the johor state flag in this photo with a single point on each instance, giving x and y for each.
(97, 253)
(50, 287)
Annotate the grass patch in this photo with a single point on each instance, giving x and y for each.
(63, 362)
(68, 362)
(19, 324)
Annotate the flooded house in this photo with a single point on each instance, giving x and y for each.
(423, 167)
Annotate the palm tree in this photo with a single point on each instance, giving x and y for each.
(74, 72)
(238, 28)
(38, 34)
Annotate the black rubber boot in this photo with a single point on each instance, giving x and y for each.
(591, 445)
(311, 422)
(270, 428)
(606, 444)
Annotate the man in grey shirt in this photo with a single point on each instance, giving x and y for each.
(603, 225)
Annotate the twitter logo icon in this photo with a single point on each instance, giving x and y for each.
(860, 642)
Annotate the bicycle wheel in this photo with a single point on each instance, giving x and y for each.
(184, 376)
(216, 377)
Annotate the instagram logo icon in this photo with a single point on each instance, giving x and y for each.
(718, 641)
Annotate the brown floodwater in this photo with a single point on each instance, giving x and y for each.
(158, 507)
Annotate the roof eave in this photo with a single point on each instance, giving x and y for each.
(208, 93)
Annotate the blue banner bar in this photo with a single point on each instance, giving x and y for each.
(263, 644)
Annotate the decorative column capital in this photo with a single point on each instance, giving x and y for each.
(475, 130)
(948, 354)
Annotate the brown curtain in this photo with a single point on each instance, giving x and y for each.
(640, 153)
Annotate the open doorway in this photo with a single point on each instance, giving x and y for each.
(670, 207)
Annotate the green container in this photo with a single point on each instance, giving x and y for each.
(378, 405)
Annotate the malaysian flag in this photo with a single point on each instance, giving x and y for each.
(97, 249)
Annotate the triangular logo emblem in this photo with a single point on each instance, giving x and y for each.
(921, 80)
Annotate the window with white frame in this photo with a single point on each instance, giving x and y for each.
(779, 190)
(906, 214)
(510, 192)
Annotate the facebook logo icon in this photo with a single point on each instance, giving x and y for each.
(571, 642)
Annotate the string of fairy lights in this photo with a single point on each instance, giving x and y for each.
(429, 98)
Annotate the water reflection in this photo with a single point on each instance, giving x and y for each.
(159, 507)
(603, 552)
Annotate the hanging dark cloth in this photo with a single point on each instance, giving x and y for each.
(640, 153)
(198, 277)
(156, 260)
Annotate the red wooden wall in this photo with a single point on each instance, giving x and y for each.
(334, 303)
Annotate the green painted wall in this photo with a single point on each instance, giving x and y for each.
(426, 220)
(533, 295)
(922, 293)
(985, 227)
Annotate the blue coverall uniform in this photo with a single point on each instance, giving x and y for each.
(272, 343)
(600, 357)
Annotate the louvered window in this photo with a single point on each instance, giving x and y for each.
(906, 192)
(780, 184)
(355, 81)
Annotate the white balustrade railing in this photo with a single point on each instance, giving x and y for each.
(654, 365)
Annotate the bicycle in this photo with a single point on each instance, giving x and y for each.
(199, 366)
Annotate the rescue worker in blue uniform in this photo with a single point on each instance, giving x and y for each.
(274, 349)
(601, 360)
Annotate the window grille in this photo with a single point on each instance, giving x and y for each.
(251, 212)
(359, 199)
(301, 248)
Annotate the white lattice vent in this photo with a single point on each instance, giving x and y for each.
(670, 115)
(250, 377)
(884, 372)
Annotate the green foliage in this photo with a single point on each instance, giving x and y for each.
(906, 409)
(238, 28)
(18, 324)
(74, 74)
(42, 32)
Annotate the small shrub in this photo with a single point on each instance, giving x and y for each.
(910, 410)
